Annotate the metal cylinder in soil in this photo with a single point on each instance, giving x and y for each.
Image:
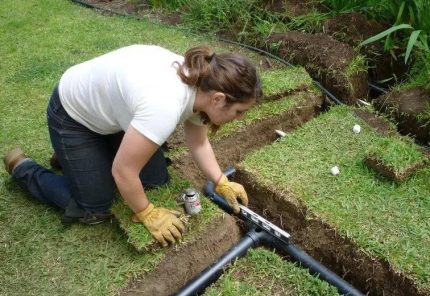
(191, 200)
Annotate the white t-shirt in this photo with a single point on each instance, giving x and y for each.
(135, 85)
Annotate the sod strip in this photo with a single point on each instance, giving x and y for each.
(385, 220)
(168, 196)
(262, 272)
(395, 158)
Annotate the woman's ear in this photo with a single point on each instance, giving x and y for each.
(218, 98)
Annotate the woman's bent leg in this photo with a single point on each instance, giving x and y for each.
(86, 160)
(42, 183)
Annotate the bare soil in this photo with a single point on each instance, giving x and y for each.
(405, 106)
(292, 7)
(185, 262)
(353, 28)
(326, 59)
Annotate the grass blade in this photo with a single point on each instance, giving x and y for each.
(385, 33)
(411, 43)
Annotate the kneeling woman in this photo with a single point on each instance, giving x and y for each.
(109, 116)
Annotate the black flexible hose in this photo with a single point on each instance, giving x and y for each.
(376, 87)
(88, 5)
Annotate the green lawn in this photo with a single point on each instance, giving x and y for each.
(387, 220)
(262, 272)
(38, 41)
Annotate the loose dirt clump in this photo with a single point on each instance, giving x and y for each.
(352, 28)
(326, 59)
(406, 107)
(185, 262)
(297, 7)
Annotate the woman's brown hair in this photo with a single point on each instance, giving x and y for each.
(230, 73)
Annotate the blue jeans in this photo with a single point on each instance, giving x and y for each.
(86, 160)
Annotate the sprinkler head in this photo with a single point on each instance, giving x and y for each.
(356, 129)
(335, 170)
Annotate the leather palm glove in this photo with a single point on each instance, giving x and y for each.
(232, 192)
(164, 225)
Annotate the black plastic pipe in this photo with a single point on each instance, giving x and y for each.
(316, 268)
(296, 253)
(211, 273)
(376, 87)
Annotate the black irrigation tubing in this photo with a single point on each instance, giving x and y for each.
(378, 88)
(88, 5)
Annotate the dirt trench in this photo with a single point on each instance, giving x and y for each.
(368, 274)
(326, 59)
(185, 262)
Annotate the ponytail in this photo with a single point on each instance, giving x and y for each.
(232, 74)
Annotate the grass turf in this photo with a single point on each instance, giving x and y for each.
(39, 41)
(262, 272)
(169, 197)
(387, 220)
(395, 157)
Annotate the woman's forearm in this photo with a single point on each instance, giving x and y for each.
(201, 151)
(131, 189)
(205, 159)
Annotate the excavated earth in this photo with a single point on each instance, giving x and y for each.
(324, 58)
(366, 273)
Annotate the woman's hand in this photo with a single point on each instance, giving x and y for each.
(232, 192)
(164, 225)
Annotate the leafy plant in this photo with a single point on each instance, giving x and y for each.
(412, 16)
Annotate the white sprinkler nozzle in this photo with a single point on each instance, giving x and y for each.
(356, 129)
(280, 133)
(335, 171)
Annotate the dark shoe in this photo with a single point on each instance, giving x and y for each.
(87, 218)
(12, 158)
(55, 164)
(75, 214)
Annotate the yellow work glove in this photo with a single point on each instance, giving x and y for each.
(164, 225)
(232, 192)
